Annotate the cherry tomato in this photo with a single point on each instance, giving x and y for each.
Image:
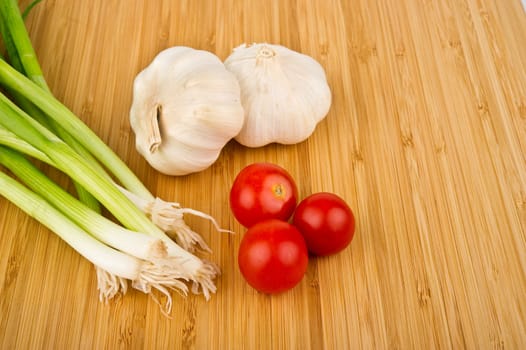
(326, 222)
(263, 191)
(273, 256)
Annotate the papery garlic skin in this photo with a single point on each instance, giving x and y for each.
(186, 107)
(284, 93)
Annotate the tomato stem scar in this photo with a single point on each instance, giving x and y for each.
(279, 191)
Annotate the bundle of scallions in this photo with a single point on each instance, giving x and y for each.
(136, 245)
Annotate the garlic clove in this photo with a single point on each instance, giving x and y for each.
(186, 106)
(284, 93)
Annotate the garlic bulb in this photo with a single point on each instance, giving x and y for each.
(284, 93)
(186, 107)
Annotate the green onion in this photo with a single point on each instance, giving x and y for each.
(35, 123)
(17, 82)
(154, 251)
(35, 206)
(7, 138)
(29, 8)
(113, 266)
(23, 58)
(18, 42)
(166, 215)
(136, 244)
(68, 161)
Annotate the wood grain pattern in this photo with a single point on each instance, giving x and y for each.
(426, 139)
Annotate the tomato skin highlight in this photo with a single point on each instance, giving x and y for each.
(263, 191)
(273, 256)
(326, 222)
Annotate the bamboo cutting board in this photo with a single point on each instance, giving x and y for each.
(425, 139)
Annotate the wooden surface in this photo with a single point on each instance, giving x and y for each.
(426, 140)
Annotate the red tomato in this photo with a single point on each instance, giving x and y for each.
(263, 191)
(326, 222)
(273, 256)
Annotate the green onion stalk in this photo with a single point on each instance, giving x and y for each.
(156, 270)
(117, 267)
(168, 216)
(36, 124)
(23, 58)
(68, 161)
